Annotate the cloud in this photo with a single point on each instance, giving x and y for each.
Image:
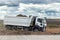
(33, 1)
(16, 2)
(39, 1)
(5, 10)
(51, 10)
(9, 2)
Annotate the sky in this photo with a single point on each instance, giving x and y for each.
(48, 8)
(51, 10)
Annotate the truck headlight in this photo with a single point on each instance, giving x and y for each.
(45, 24)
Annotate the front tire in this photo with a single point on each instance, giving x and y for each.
(35, 29)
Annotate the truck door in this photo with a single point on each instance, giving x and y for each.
(39, 22)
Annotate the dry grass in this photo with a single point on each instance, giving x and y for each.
(53, 30)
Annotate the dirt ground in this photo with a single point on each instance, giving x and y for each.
(49, 31)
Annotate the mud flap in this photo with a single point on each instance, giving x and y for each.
(43, 29)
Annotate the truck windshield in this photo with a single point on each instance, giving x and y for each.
(39, 20)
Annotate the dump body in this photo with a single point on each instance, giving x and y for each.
(19, 21)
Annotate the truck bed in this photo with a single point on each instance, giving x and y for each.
(20, 21)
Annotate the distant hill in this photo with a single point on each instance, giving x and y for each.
(53, 22)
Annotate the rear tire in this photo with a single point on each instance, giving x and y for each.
(25, 28)
(15, 27)
(8, 27)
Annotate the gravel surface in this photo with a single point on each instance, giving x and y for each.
(30, 37)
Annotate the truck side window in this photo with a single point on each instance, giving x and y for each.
(39, 20)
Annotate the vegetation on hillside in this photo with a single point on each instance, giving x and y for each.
(1, 23)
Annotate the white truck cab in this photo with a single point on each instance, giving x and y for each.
(41, 23)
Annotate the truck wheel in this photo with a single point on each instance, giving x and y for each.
(35, 29)
(43, 29)
(15, 27)
(26, 29)
(8, 27)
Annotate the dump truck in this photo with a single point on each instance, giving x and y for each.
(31, 23)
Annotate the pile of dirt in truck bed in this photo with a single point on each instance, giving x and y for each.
(49, 31)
